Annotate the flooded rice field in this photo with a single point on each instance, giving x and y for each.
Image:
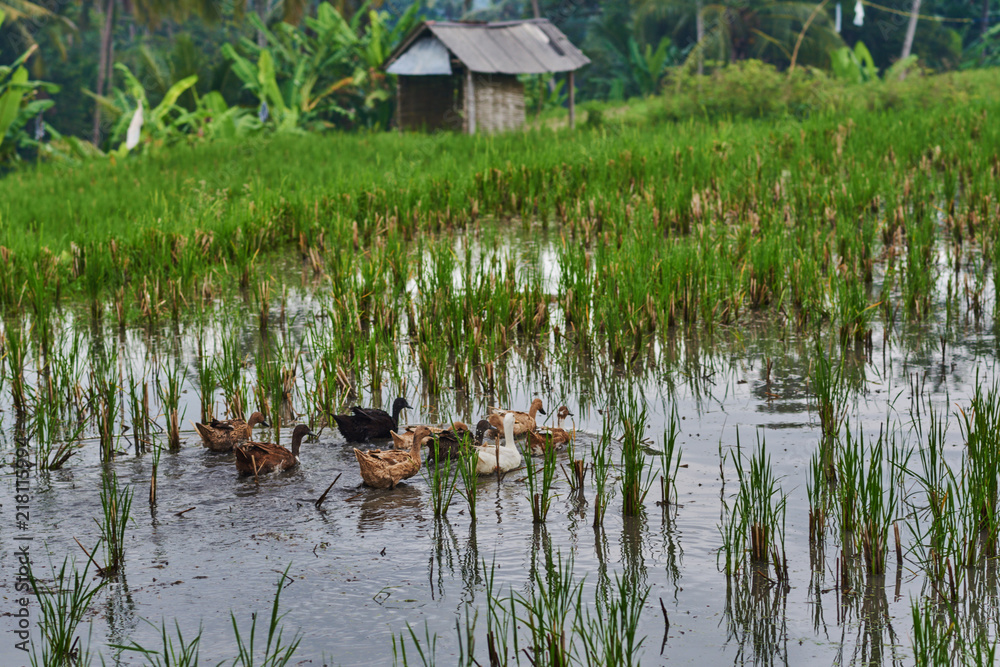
(369, 574)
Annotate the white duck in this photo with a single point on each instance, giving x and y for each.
(503, 458)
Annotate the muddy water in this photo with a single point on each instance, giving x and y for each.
(368, 562)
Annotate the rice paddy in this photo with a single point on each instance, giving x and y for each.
(777, 339)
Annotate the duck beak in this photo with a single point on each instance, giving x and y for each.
(541, 411)
(264, 423)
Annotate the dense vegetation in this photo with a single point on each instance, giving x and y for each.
(210, 70)
(810, 212)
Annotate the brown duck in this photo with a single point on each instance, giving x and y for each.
(449, 439)
(555, 436)
(384, 470)
(256, 458)
(523, 421)
(221, 436)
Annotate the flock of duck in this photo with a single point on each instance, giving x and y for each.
(491, 448)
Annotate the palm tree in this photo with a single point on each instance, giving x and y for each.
(729, 30)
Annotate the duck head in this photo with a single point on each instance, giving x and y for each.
(536, 406)
(398, 406)
(481, 429)
(257, 418)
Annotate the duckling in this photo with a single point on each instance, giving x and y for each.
(256, 458)
(384, 470)
(370, 423)
(221, 436)
(502, 458)
(523, 421)
(556, 435)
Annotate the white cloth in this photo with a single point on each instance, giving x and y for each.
(134, 129)
(838, 16)
(859, 14)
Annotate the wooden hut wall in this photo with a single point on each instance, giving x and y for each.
(499, 102)
(426, 103)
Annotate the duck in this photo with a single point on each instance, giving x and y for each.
(384, 470)
(540, 439)
(491, 459)
(257, 458)
(370, 423)
(449, 440)
(523, 421)
(221, 436)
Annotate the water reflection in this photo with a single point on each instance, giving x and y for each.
(755, 617)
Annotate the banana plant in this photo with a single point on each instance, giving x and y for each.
(649, 65)
(17, 105)
(160, 123)
(328, 74)
(856, 65)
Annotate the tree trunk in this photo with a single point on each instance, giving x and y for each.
(103, 64)
(535, 9)
(911, 30)
(986, 18)
(699, 28)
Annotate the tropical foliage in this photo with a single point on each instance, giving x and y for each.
(18, 104)
(203, 69)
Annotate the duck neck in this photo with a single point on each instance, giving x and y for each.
(396, 409)
(297, 444)
(508, 436)
(533, 410)
(415, 450)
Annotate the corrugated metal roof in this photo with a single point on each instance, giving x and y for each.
(534, 46)
(427, 56)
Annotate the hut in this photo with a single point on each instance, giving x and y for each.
(463, 75)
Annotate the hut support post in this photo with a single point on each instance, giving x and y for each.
(572, 102)
(470, 101)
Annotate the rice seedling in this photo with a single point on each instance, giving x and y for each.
(182, 654)
(876, 506)
(441, 476)
(16, 354)
(981, 429)
(277, 652)
(61, 610)
(539, 484)
(501, 622)
(637, 473)
(830, 388)
(104, 397)
(426, 649)
(611, 636)
(154, 468)
(168, 388)
(670, 460)
(138, 407)
(466, 466)
(229, 373)
(206, 382)
(756, 524)
(600, 469)
(116, 506)
(551, 613)
(819, 494)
